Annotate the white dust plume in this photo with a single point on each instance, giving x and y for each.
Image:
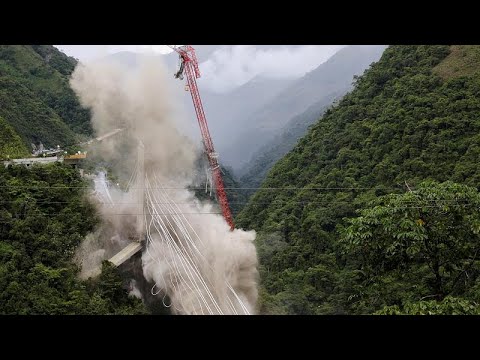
(190, 254)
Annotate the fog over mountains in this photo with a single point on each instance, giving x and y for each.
(250, 93)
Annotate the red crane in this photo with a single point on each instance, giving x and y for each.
(189, 66)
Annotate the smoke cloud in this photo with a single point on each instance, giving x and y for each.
(191, 256)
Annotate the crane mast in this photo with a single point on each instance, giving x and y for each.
(189, 67)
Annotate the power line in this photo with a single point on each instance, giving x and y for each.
(209, 212)
(203, 188)
(252, 202)
(106, 215)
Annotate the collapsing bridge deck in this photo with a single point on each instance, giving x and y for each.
(119, 258)
(126, 253)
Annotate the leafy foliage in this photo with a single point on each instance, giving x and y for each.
(463, 60)
(448, 306)
(43, 218)
(32, 119)
(401, 123)
(56, 59)
(35, 97)
(259, 126)
(235, 196)
(431, 233)
(11, 145)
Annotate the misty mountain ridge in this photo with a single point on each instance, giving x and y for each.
(225, 111)
(251, 115)
(334, 76)
(255, 171)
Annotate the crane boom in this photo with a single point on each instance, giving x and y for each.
(189, 66)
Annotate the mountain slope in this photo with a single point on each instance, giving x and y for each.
(56, 59)
(226, 111)
(11, 145)
(36, 99)
(462, 61)
(329, 78)
(31, 118)
(44, 216)
(262, 161)
(401, 124)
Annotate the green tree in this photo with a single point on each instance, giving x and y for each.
(43, 218)
(406, 119)
(36, 98)
(431, 233)
(448, 306)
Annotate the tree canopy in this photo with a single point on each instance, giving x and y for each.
(402, 123)
(35, 96)
(43, 218)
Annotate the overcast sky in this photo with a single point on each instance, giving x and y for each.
(89, 52)
(230, 65)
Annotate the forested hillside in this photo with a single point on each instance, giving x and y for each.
(11, 145)
(376, 210)
(35, 97)
(327, 81)
(263, 160)
(203, 188)
(410, 119)
(43, 218)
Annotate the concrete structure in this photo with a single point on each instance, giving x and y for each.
(67, 159)
(125, 254)
(74, 159)
(119, 258)
(30, 161)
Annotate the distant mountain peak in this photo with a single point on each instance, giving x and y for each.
(333, 77)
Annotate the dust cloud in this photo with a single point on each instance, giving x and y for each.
(193, 258)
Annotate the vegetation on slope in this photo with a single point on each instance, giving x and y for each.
(43, 218)
(463, 60)
(56, 59)
(33, 120)
(333, 77)
(43, 212)
(421, 244)
(274, 150)
(35, 97)
(11, 145)
(235, 196)
(402, 123)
